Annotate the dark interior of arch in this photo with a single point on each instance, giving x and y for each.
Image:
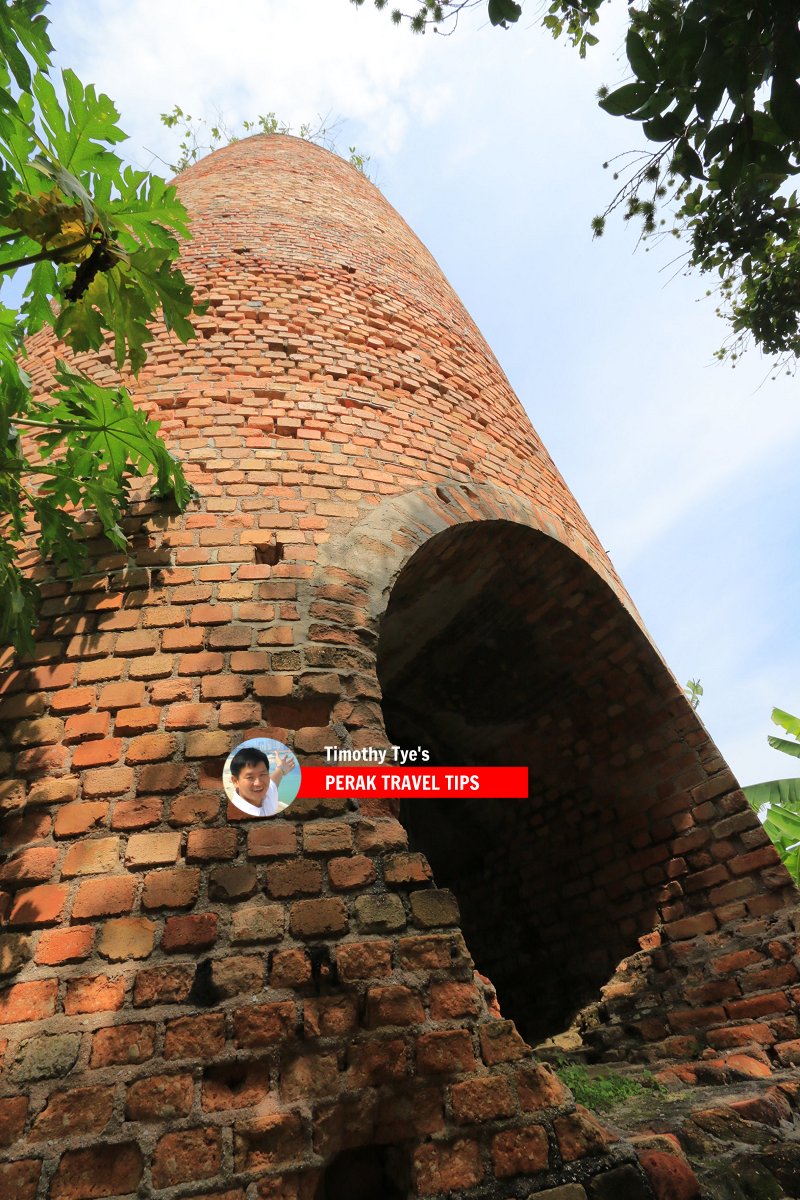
(499, 646)
(366, 1173)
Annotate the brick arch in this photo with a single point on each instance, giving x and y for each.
(678, 866)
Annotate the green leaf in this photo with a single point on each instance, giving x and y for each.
(785, 102)
(786, 721)
(792, 748)
(627, 99)
(641, 60)
(663, 129)
(501, 11)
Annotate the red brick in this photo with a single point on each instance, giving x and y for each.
(430, 953)
(520, 1151)
(35, 865)
(97, 754)
(232, 883)
(171, 889)
(42, 905)
(150, 748)
(74, 700)
(207, 844)
(20, 1179)
(450, 1167)
(189, 716)
(65, 945)
(138, 813)
(152, 849)
(132, 721)
(580, 1135)
(689, 927)
(52, 791)
(195, 1037)
(330, 1016)
(393, 1005)
(183, 639)
(348, 873)
(78, 1112)
(122, 1045)
(208, 745)
(235, 1085)
(363, 960)
(449, 1001)
(222, 687)
(104, 1170)
(80, 817)
(121, 695)
(500, 1042)
(295, 877)
(28, 1001)
(104, 897)
(159, 1098)
(137, 641)
(96, 993)
(195, 932)
(211, 614)
(446, 1051)
(126, 937)
(265, 1024)
(757, 1006)
(239, 715)
(13, 1112)
(108, 781)
(271, 840)
(201, 664)
(323, 837)
(195, 809)
(91, 857)
(163, 985)
(376, 1062)
(162, 777)
(37, 731)
(317, 918)
(290, 969)
(403, 870)
(87, 725)
(485, 1098)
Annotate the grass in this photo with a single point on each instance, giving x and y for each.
(602, 1092)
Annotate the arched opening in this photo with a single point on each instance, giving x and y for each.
(366, 1173)
(499, 646)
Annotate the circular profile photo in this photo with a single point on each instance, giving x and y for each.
(261, 777)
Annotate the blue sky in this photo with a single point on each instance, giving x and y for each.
(490, 145)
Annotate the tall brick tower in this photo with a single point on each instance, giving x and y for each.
(199, 1004)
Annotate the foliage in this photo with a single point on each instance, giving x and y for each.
(602, 1092)
(714, 88)
(777, 803)
(694, 691)
(99, 241)
(200, 136)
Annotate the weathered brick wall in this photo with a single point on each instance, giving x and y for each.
(194, 1000)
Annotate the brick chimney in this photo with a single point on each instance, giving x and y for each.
(199, 1004)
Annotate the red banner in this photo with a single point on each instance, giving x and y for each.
(394, 783)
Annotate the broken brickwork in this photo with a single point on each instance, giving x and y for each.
(199, 1004)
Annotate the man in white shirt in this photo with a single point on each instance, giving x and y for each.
(256, 787)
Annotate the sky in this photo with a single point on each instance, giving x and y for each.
(490, 144)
